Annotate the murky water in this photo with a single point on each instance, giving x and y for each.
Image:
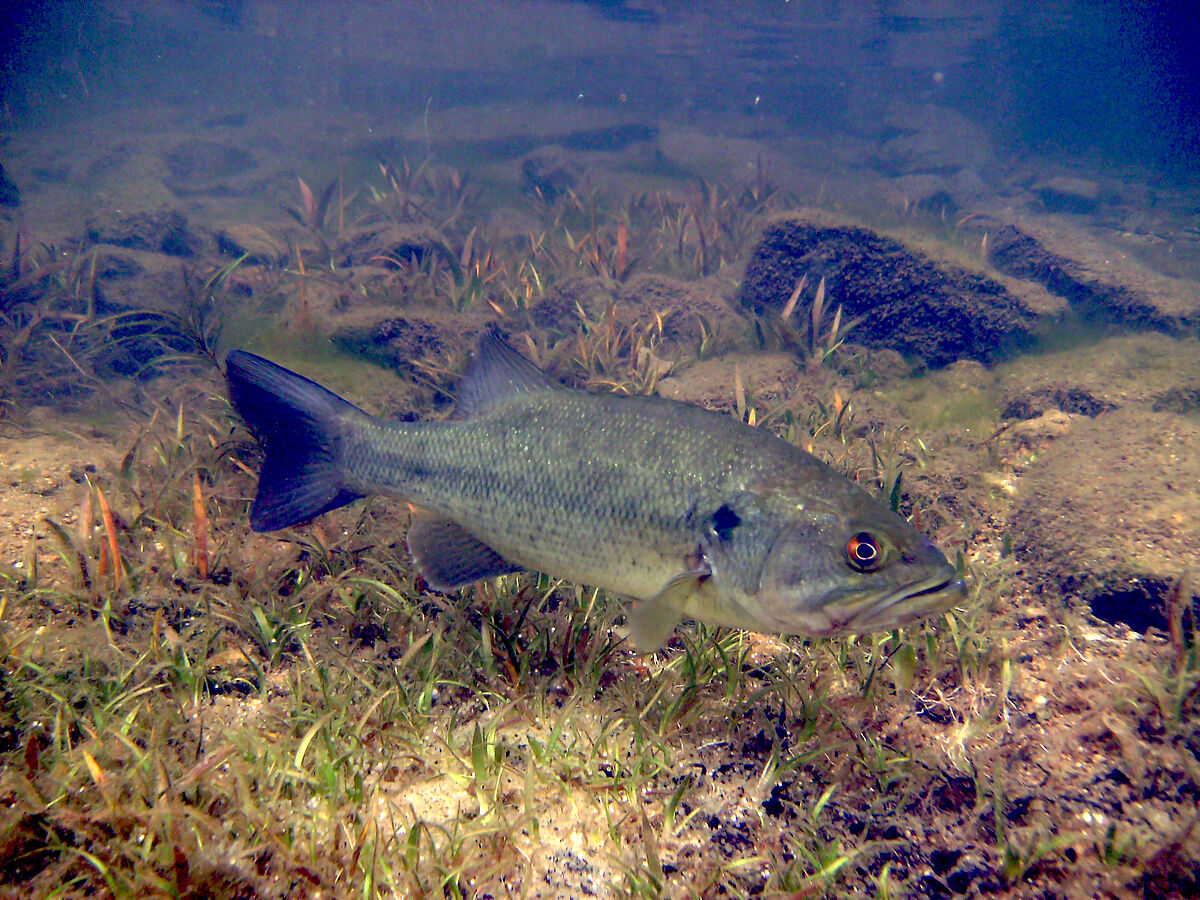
(953, 250)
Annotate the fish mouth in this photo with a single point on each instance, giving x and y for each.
(903, 606)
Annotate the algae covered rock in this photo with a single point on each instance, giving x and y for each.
(900, 297)
(1100, 282)
(397, 339)
(162, 230)
(693, 313)
(251, 241)
(395, 243)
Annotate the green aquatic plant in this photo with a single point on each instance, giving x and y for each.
(816, 340)
(307, 714)
(1174, 686)
(620, 357)
(428, 193)
(191, 334)
(313, 211)
(47, 325)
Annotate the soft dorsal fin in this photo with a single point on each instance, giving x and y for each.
(496, 374)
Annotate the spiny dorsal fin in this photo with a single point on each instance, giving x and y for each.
(498, 373)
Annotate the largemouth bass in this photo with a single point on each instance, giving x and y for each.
(687, 512)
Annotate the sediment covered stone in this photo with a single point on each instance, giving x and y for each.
(161, 230)
(125, 279)
(398, 339)
(216, 167)
(931, 138)
(1147, 368)
(1101, 283)
(1067, 194)
(250, 241)
(392, 244)
(1110, 512)
(692, 312)
(900, 297)
(550, 171)
(512, 129)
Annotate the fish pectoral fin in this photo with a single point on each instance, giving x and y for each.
(651, 622)
(449, 557)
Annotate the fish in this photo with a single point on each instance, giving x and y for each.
(687, 513)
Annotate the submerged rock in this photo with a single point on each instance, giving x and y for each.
(1100, 282)
(395, 244)
(512, 128)
(9, 194)
(768, 378)
(550, 171)
(216, 167)
(1038, 399)
(161, 230)
(398, 339)
(901, 297)
(1110, 512)
(1096, 376)
(125, 279)
(693, 313)
(1067, 194)
(250, 241)
(931, 138)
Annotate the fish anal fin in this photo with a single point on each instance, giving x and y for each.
(652, 621)
(449, 557)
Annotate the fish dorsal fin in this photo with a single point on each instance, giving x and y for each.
(449, 557)
(497, 374)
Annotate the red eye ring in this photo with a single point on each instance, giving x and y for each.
(863, 552)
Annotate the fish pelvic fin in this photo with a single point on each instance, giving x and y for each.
(451, 558)
(300, 426)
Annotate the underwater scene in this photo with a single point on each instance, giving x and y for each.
(599, 448)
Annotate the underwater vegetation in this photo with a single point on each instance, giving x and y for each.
(188, 710)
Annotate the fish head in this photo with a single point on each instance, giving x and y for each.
(851, 575)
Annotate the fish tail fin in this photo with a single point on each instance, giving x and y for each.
(300, 426)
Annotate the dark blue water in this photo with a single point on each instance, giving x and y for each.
(1114, 79)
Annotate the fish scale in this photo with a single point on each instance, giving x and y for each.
(595, 475)
(687, 512)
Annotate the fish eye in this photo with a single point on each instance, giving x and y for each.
(863, 552)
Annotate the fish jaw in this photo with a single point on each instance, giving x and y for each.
(862, 613)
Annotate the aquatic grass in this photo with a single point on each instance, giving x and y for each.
(189, 335)
(1173, 686)
(816, 340)
(313, 213)
(47, 310)
(318, 771)
(305, 718)
(620, 358)
(427, 192)
(481, 678)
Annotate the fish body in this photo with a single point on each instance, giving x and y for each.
(687, 512)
